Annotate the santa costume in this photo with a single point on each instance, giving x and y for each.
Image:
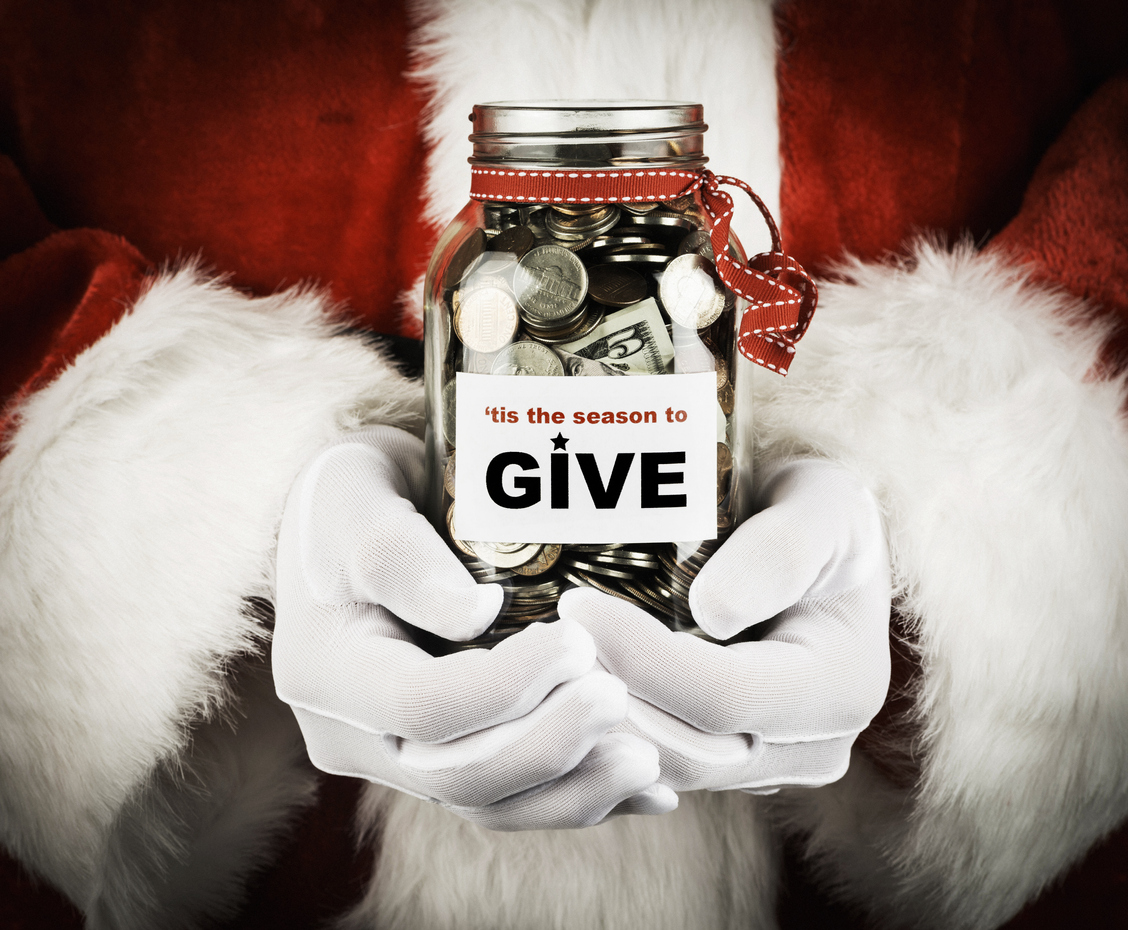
(208, 210)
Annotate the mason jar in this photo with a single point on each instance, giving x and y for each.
(580, 369)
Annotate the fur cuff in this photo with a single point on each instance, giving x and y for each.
(964, 397)
(139, 499)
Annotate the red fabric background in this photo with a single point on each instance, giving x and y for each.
(279, 141)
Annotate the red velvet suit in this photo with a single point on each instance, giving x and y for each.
(283, 144)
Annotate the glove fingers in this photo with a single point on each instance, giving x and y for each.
(500, 761)
(617, 769)
(407, 453)
(794, 765)
(690, 759)
(820, 685)
(820, 536)
(764, 567)
(405, 565)
(361, 539)
(339, 748)
(347, 669)
(657, 799)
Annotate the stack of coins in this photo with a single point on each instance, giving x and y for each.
(545, 289)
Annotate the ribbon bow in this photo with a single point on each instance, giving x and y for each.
(781, 296)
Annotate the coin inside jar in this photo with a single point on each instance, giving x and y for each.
(504, 555)
(691, 293)
(584, 225)
(615, 286)
(527, 358)
(448, 476)
(550, 283)
(517, 240)
(724, 470)
(486, 319)
(541, 562)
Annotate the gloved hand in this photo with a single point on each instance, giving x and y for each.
(515, 737)
(812, 569)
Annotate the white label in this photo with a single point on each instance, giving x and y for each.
(586, 460)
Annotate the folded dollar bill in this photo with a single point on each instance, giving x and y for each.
(633, 340)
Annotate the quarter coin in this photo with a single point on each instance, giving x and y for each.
(691, 293)
(527, 358)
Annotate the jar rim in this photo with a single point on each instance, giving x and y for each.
(578, 133)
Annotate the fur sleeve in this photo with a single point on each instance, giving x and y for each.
(964, 396)
(139, 498)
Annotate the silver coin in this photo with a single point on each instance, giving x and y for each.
(651, 562)
(648, 600)
(539, 589)
(635, 258)
(528, 358)
(504, 555)
(637, 225)
(486, 319)
(575, 245)
(577, 330)
(655, 248)
(698, 242)
(528, 211)
(691, 293)
(597, 568)
(583, 226)
(606, 242)
(550, 284)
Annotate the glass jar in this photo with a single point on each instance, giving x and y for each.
(581, 367)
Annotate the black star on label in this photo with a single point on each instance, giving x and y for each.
(559, 442)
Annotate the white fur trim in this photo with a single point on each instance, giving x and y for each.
(139, 500)
(709, 864)
(963, 396)
(718, 53)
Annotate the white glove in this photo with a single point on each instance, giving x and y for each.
(812, 569)
(515, 737)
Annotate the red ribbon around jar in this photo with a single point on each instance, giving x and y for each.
(781, 296)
